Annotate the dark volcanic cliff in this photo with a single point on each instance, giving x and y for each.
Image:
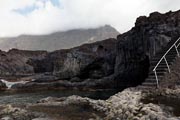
(136, 48)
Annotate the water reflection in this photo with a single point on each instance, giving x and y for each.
(10, 97)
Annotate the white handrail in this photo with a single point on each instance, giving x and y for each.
(164, 57)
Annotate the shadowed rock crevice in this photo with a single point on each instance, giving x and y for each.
(98, 69)
(41, 66)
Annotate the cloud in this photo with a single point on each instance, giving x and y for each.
(46, 16)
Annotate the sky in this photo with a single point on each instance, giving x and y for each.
(39, 17)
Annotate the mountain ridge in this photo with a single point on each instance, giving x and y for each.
(58, 40)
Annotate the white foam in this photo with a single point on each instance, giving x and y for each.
(10, 84)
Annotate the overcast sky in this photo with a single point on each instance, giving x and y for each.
(46, 16)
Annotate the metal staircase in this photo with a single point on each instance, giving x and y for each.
(160, 64)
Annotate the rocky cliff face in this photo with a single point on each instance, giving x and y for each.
(94, 60)
(137, 47)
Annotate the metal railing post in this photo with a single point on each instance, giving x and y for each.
(177, 50)
(156, 79)
(167, 64)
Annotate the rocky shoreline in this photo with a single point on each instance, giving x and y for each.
(113, 63)
(125, 105)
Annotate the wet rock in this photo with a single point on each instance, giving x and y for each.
(42, 78)
(10, 112)
(6, 118)
(87, 84)
(2, 85)
(76, 79)
(42, 119)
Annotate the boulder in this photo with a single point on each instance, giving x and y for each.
(14, 62)
(2, 85)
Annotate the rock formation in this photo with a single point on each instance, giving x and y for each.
(79, 66)
(94, 60)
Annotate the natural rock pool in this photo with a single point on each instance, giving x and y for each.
(17, 97)
(78, 111)
(70, 112)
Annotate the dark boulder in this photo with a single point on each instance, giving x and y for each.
(15, 62)
(2, 86)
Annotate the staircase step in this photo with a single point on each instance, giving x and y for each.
(150, 80)
(162, 63)
(158, 69)
(149, 84)
(167, 58)
(162, 66)
(171, 56)
(158, 73)
(174, 53)
(154, 77)
(142, 87)
(158, 59)
(168, 55)
(174, 56)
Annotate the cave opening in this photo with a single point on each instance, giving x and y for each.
(145, 69)
(94, 70)
(134, 75)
